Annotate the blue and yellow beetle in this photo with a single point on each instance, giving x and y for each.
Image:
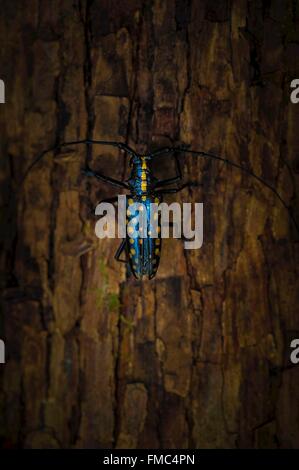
(143, 253)
(146, 191)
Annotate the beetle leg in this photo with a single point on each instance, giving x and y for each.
(112, 200)
(107, 179)
(176, 178)
(119, 252)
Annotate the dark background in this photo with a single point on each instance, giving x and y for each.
(198, 357)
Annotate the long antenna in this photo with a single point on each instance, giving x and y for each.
(200, 153)
(165, 150)
(119, 145)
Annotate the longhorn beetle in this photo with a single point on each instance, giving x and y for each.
(143, 254)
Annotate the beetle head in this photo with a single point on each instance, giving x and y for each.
(137, 159)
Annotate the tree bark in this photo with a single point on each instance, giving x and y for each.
(198, 357)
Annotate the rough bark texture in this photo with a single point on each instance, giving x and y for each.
(199, 356)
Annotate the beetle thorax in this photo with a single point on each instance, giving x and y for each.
(140, 180)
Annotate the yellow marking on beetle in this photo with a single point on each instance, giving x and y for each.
(132, 241)
(143, 175)
(130, 230)
(156, 200)
(130, 201)
(143, 198)
(157, 251)
(129, 212)
(133, 252)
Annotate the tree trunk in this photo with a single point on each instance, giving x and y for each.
(199, 356)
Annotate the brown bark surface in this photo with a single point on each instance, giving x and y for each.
(198, 357)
